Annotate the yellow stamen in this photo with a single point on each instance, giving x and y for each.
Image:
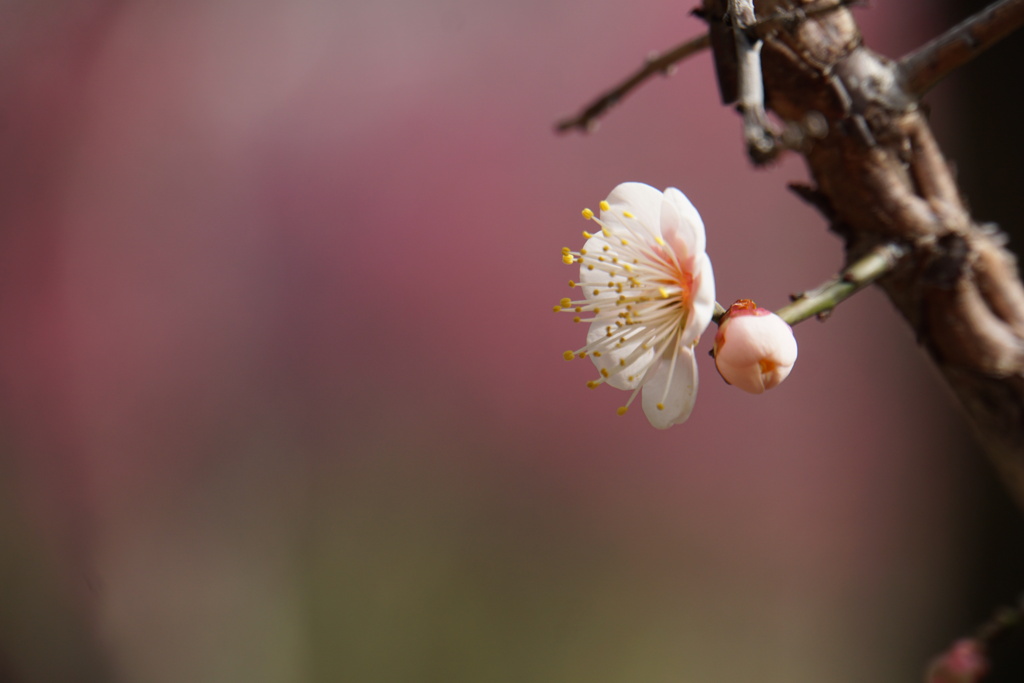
(604, 205)
(588, 214)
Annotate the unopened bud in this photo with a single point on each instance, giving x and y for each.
(754, 348)
(964, 662)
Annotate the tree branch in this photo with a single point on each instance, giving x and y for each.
(881, 178)
(926, 66)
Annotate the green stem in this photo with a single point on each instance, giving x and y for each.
(854, 278)
(716, 317)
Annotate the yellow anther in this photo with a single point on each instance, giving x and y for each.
(622, 362)
(622, 410)
(565, 250)
(565, 303)
(572, 283)
(567, 259)
(569, 355)
(604, 372)
(664, 292)
(592, 384)
(597, 354)
(606, 232)
(661, 406)
(661, 242)
(588, 235)
(627, 214)
(597, 310)
(576, 319)
(606, 248)
(590, 267)
(588, 214)
(629, 268)
(625, 243)
(604, 205)
(556, 309)
(583, 252)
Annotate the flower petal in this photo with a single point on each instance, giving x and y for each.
(626, 376)
(681, 224)
(674, 386)
(702, 304)
(640, 200)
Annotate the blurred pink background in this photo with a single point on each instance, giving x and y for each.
(283, 396)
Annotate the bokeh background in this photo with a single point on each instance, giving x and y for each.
(282, 396)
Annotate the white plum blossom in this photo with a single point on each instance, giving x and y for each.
(648, 294)
(754, 348)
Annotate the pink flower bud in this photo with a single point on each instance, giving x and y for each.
(754, 348)
(964, 662)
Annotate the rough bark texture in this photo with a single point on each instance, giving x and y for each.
(880, 177)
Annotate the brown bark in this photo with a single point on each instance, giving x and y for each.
(881, 177)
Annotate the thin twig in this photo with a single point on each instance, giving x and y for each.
(657, 64)
(663, 63)
(855, 277)
(926, 66)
